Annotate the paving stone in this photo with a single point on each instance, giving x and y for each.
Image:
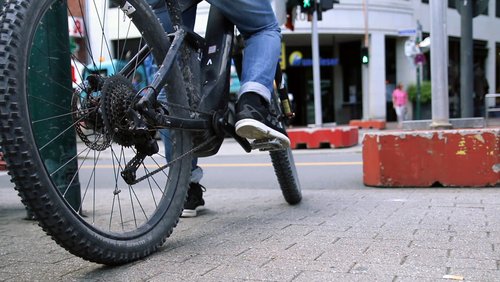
(348, 234)
(317, 276)
(377, 269)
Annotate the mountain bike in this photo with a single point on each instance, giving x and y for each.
(86, 160)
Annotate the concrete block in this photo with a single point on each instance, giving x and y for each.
(3, 164)
(476, 122)
(368, 124)
(314, 138)
(464, 158)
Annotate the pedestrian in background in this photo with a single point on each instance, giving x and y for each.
(400, 102)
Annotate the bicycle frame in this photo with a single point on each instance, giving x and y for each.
(210, 82)
(213, 55)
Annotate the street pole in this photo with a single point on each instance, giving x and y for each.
(318, 116)
(466, 61)
(439, 65)
(59, 155)
(419, 70)
(365, 71)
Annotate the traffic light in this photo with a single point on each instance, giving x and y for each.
(365, 56)
(326, 5)
(307, 6)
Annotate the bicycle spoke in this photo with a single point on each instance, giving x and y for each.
(91, 178)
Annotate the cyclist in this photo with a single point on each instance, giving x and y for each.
(257, 23)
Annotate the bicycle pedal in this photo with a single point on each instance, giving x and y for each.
(267, 145)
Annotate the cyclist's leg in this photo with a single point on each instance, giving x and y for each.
(160, 10)
(256, 21)
(194, 201)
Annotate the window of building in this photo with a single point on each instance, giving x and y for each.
(451, 3)
(497, 7)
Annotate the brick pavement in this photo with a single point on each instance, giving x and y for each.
(351, 234)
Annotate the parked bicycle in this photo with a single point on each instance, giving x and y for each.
(113, 198)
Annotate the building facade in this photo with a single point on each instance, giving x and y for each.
(350, 89)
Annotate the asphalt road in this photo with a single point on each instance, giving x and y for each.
(318, 169)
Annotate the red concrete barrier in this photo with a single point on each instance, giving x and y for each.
(368, 124)
(313, 138)
(3, 164)
(466, 157)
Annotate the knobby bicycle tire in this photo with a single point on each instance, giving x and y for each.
(284, 166)
(286, 172)
(105, 220)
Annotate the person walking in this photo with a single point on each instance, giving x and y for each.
(400, 102)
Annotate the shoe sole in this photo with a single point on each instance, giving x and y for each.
(192, 213)
(252, 129)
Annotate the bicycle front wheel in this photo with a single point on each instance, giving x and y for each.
(284, 165)
(67, 143)
(286, 172)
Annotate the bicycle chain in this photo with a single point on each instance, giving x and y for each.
(173, 105)
(201, 145)
(175, 160)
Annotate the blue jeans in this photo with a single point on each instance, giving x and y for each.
(257, 23)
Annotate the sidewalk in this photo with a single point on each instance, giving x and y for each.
(352, 233)
(349, 234)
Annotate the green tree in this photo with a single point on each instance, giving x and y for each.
(425, 92)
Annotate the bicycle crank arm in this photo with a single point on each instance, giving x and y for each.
(226, 127)
(159, 119)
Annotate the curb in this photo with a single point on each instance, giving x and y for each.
(455, 158)
(314, 138)
(368, 124)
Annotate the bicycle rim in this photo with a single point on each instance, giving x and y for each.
(62, 156)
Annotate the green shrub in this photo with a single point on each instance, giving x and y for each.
(425, 92)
